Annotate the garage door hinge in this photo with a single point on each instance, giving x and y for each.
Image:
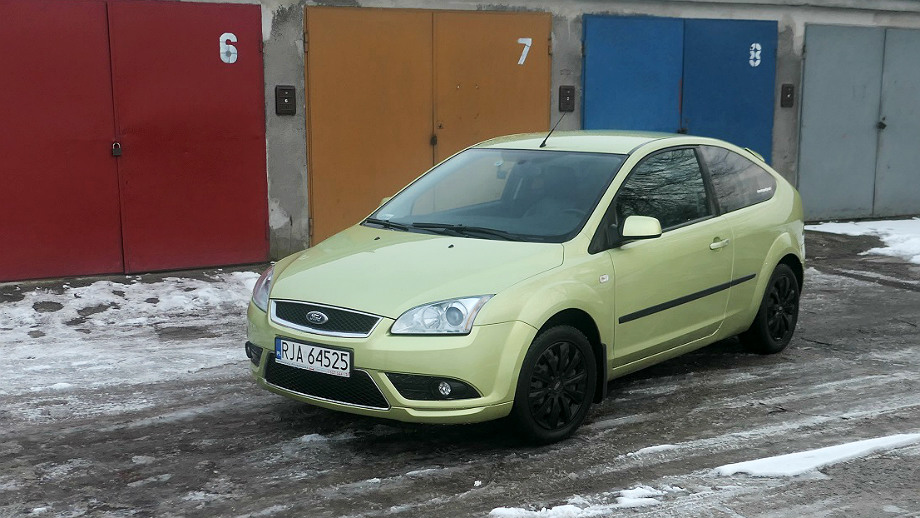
(549, 46)
(306, 42)
(310, 226)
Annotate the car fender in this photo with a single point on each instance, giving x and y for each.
(784, 244)
(536, 300)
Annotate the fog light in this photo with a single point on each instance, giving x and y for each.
(444, 388)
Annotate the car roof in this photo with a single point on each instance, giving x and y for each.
(618, 142)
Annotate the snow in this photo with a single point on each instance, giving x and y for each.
(653, 449)
(70, 342)
(802, 462)
(582, 507)
(901, 237)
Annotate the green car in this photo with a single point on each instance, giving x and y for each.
(518, 277)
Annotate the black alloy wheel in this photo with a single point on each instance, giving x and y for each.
(775, 322)
(556, 385)
(783, 308)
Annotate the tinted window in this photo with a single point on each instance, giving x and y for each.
(668, 186)
(738, 182)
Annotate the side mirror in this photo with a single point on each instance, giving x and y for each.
(641, 227)
(384, 200)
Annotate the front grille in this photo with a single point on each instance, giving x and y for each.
(359, 389)
(341, 322)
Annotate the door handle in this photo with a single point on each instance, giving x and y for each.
(719, 244)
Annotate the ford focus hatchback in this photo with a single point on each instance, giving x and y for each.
(518, 277)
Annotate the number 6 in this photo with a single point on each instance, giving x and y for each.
(228, 53)
(526, 42)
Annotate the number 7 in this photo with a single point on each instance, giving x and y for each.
(526, 42)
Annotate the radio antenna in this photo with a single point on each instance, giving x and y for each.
(543, 144)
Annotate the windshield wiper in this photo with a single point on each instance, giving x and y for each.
(464, 230)
(387, 224)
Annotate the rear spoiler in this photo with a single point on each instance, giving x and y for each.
(756, 154)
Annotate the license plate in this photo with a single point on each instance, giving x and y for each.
(313, 358)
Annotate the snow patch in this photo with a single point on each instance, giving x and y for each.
(901, 237)
(794, 464)
(73, 341)
(653, 449)
(582, 507)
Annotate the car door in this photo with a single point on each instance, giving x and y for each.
(673, 289)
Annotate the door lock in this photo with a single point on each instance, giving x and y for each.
(116, 149)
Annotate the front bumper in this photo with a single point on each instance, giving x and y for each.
(488, 359)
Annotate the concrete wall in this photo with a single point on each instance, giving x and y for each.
(284, 64)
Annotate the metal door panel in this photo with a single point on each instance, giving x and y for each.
(897, 183)
(492, 76)
(191, 120)
(632, 73)
(370, 109)
(840, 104)
(729, 76)
(645, 270)
(59, 214)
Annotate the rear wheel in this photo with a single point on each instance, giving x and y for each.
(555, 387)
(775, 322)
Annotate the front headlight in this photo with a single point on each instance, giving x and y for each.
(454, 316)
(261, 289)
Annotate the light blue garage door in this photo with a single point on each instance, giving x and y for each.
(860, 131)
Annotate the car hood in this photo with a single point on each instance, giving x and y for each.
(387, 272)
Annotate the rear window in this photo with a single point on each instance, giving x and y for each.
(738, 181)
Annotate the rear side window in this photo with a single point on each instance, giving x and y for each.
(738, 181)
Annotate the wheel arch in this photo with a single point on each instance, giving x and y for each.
(582, 321)
(795, 264)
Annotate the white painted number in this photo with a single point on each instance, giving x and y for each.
(526, 42)
(754, 60)
(228, 52)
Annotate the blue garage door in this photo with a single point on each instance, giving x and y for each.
(632, 73)
(705, 77)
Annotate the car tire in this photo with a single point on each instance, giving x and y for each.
(775, 322)
(555, 387)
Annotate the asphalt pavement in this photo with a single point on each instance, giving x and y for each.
(210, 443)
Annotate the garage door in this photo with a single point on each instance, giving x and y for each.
(59, 214)
(191, 122)
(860, 123)
(706, 77)
(177, 89)
(391, 92)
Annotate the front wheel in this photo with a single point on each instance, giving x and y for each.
(555, 387)
(775, 322)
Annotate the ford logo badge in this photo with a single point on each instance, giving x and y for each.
(317, 317)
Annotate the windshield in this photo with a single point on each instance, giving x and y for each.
(503, 194)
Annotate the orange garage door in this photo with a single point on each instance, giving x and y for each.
(391, 92)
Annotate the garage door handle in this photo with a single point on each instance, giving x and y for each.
(719, 244)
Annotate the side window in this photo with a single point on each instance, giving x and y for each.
(668, 186)
(738, 182)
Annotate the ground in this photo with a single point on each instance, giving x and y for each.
(131, 396)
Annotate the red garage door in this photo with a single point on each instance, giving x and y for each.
(59, 187)
(179, 87)
(190, 113)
